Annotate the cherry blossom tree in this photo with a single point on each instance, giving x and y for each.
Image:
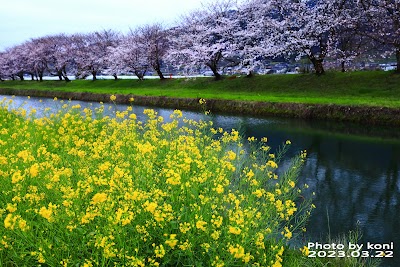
(91, 52)
(7, 69)
(383, 25)
(347, 42)
(297, 28)
(251, 35)
(3, 66)
(17, 61)
(351, 44)
(129, 56)
(60, 58)
(155, 44)
(38, 51)
(205, 38)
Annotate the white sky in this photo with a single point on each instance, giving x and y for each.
(21, 20)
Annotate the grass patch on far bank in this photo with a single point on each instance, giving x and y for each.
(373, 88)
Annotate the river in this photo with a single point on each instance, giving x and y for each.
(354, 170)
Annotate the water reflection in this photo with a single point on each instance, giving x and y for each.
(354, 170)
(356, 178)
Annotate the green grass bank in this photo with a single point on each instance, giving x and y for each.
(372, 97)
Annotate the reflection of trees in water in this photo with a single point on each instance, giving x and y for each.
(354, 182)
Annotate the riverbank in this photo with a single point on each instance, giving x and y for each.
(363, 97)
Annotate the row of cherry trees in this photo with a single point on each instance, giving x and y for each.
(82, 55)
(224, 33)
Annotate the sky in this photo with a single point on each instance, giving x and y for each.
(21, 20)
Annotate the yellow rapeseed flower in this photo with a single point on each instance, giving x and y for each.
(305, 250)
(250, 174)
(201, 225)
(3, 160)
(159, 251)
(231, 155)
(9, 222)
(25, 155)
(219, 189)
(11, 207)
(34, 170)
(178, 113)
(237, 251)
(234, 230)
(287, 233)
(88, 264)
(251, 139)
(99, 198)
(215, 235)
(172, 241)
(16, 177)
(258, 193)
(184, 227)
(217, 262)
(46, 213)
(151, 207)
(272, 164)
(23, 225)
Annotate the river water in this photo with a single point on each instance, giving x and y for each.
(354, 170)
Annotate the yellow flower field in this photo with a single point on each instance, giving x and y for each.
(79, 188)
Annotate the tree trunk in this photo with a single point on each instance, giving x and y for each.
(32, 77)
(94, 75)
(318, 66)
(156, 67)
(139, 74)
(213, 65)
(250, 74)
(160, 74)
(342, 66)
(217, 75)
(64, 74)
(213, 68)
(39, 75)
(398, 60)
(115, 76)
(21, 76)
(59, 74)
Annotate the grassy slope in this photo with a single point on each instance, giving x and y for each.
(355, 88)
